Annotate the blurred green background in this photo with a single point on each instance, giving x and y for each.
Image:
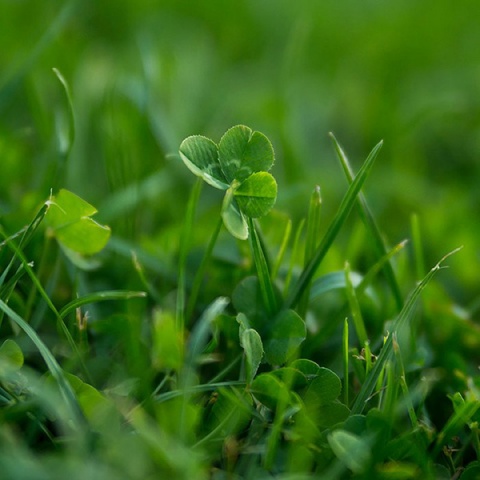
(145, 74)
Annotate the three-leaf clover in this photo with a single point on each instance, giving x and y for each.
(239, 164)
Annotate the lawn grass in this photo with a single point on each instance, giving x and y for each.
(295, 321)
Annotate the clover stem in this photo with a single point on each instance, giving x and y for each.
(263, 272)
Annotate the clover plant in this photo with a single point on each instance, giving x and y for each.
(240, 165)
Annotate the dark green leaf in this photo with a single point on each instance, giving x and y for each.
(324, 388)
(270, 391)
(286, 334)
(352, 450)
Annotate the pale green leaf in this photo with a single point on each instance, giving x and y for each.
(69, 218)
(253, 348)
(257, 194)
(243, 152)
(11, 357)
(233, 218)
(350, 449)
(200, 155)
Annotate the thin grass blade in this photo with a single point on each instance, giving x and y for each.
(355, 307)
(184, 245)
(263, 272)
(66, 144)
(52, 365)
(311, 242)
(369, 220)
(99, 297)
(386, 353)
(344, 210)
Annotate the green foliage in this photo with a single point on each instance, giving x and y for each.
(240, 165)
(295, 355)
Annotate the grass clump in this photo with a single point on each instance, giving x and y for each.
(288, 371)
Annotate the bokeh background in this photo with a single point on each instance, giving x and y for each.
(145, 74)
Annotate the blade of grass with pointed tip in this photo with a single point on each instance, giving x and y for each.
(345, 349)
(52, 365)
(66, 149)
(26, 234)
(12, 81)
(369, 220)
(199, 275)
(99, 297)
(344, 210)
(283, 248)
(377, 266)
(293, 256)
(401, 320)
(50, 304)
(263, 271)
(355, 307)
(184, 244)
(417, 246)
(311, 242)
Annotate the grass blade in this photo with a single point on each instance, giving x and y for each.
(68, 143)
(52, 365)
(345, 355)
(99, 297)
(344, 210)
(311, 242)
(26, 234)
(369, 220)
(355, 307)
(282, 250)
(199, 275)
(263, 271)
(184, 244)
(402, 319)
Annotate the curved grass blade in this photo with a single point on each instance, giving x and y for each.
(263, 272)
(184, 244)
(386, 353)
(12, 82)
(377, 266)
(283, 247)
(199, 275)
(26, 235)
(52, 365)
(311, 242)
(28, 268)
(344, 210)
(66, 144)
(357, 317)
(369, 220)
(99, 297)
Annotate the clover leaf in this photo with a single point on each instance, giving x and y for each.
(239, 165)
(200, 155)
(257, 194)
(242, 152)
(69, 218)
(233, 218)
